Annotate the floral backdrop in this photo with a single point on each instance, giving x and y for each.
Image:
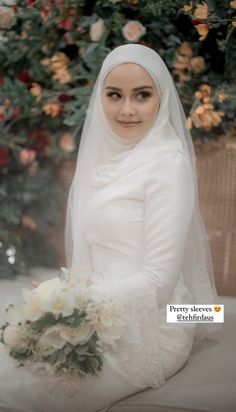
(50, 54)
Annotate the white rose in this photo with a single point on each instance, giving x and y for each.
(14, 335)
(79, 335)
(43, 349)
(133, 30)
(7, 18)
(96, 30)
(52, 337)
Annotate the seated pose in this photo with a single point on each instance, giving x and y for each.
(133, 219)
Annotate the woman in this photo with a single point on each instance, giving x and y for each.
(133, 222)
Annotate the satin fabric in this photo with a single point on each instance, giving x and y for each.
(136, 257)
(107, 157)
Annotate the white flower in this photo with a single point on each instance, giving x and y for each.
(96, 30)
(43, 349)
(133, 30)
(62, 301)
(8, 2)
(34, 307)
(109, 334)
(52, 337)
(14, 335)
(3, 39)
(56, 337)
(79, 335)
(48, 287)
(7, 17)
(57, 296)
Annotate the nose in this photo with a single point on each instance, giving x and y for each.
(127, 108)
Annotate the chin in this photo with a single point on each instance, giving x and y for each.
(129, 134)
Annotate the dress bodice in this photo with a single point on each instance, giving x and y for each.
(115, 226)
(139, 222)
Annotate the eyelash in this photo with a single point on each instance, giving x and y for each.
(144, 95)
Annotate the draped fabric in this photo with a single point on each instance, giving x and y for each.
(105, 157)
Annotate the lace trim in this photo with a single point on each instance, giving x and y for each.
(138, 352)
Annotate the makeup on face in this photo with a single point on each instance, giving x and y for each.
(130, 100)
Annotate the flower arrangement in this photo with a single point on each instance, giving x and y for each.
(62, 328)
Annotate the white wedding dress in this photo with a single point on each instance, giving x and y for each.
(136, 257)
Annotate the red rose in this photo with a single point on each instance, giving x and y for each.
(66, 24)
(39, 140)
(24, 76)
(4, 156)
(63, 98)
(31, 3)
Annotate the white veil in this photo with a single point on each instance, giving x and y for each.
(103, 156)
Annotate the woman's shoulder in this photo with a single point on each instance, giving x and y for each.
(169, 157)
(170, 166)
(162, 149)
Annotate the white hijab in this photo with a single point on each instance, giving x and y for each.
(104, 156)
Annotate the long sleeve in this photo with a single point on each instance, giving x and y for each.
(168, 207)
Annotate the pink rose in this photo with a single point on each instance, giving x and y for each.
(66, 142)
(27, 156)
(133, 30)
(96, 30)
(7, 18)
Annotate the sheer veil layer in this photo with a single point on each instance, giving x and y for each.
(104, 157)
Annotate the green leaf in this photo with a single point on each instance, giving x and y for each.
(46, 320)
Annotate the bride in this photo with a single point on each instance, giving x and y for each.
(133, 222)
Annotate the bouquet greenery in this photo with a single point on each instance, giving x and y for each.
(62, 327)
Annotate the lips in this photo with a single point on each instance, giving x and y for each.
(128, 124)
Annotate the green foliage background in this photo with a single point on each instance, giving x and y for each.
(30, 194)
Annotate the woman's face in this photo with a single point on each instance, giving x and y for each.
(130, 100)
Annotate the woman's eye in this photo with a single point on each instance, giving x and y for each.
(143, 95)
(114, 95)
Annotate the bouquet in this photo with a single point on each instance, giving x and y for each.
(62, 327)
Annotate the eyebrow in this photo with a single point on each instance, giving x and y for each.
(135, 88)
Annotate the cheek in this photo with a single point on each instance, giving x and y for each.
(109, 109)
(150, 112)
